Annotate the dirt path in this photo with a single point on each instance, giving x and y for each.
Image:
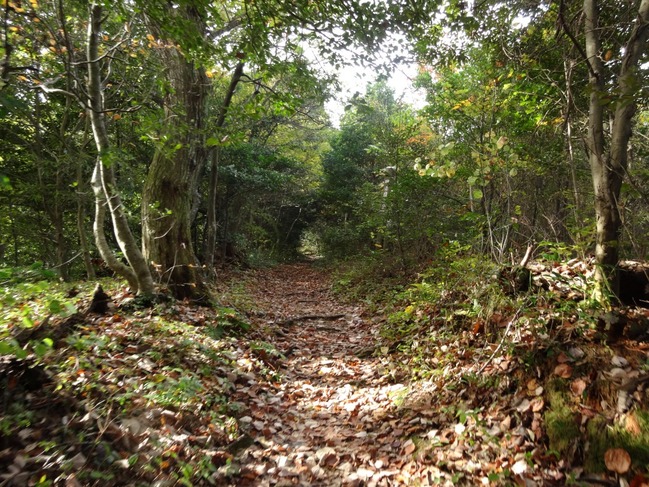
(329, 420)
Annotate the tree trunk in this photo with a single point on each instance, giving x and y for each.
(103, 183)
(211, 226)
(172, 180)
(98, 231)
(609, 166)
(81, 227)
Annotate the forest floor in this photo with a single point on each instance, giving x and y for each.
(286, 384)
(332, 419)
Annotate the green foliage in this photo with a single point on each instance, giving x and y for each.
(369, 197)
(261, 208)
(229, 323)
(25, 303)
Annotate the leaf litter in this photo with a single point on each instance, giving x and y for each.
(182, 395)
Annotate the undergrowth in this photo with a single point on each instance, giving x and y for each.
(454, 327)
(134, 397)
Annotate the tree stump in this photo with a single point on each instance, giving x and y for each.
(515, 280)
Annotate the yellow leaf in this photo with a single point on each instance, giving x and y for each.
(150, 37)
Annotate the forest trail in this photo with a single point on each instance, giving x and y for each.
(329, 420)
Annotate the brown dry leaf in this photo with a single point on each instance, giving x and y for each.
(563, 370)
(562, 358)
(532, 385)
(409, 447)
(578, 386)
(506, 424)
(617, 460)
(537, 404)
(326, 457)
(632, 425)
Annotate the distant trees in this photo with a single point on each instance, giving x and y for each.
(370, 197)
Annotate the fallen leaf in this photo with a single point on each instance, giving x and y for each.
(617, 460)
(326, 457)
(576, 353)
(563, 370)
(618, 361)
(632, 425)
(409, 447)
(578, 386)
(537, 404)
(523, 406)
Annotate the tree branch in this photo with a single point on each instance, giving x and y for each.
(574, 40)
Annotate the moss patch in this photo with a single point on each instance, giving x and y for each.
(631, 433)
(561, 427)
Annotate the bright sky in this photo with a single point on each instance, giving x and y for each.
(355, 79)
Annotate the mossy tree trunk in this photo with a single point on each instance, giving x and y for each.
(172, 180)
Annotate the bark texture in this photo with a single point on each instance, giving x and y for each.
(608, 162)
(172, 180)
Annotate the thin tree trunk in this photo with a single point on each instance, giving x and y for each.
(608, 168)
(211, 226)
(104, 187)
(98, 230)
(81, 227)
